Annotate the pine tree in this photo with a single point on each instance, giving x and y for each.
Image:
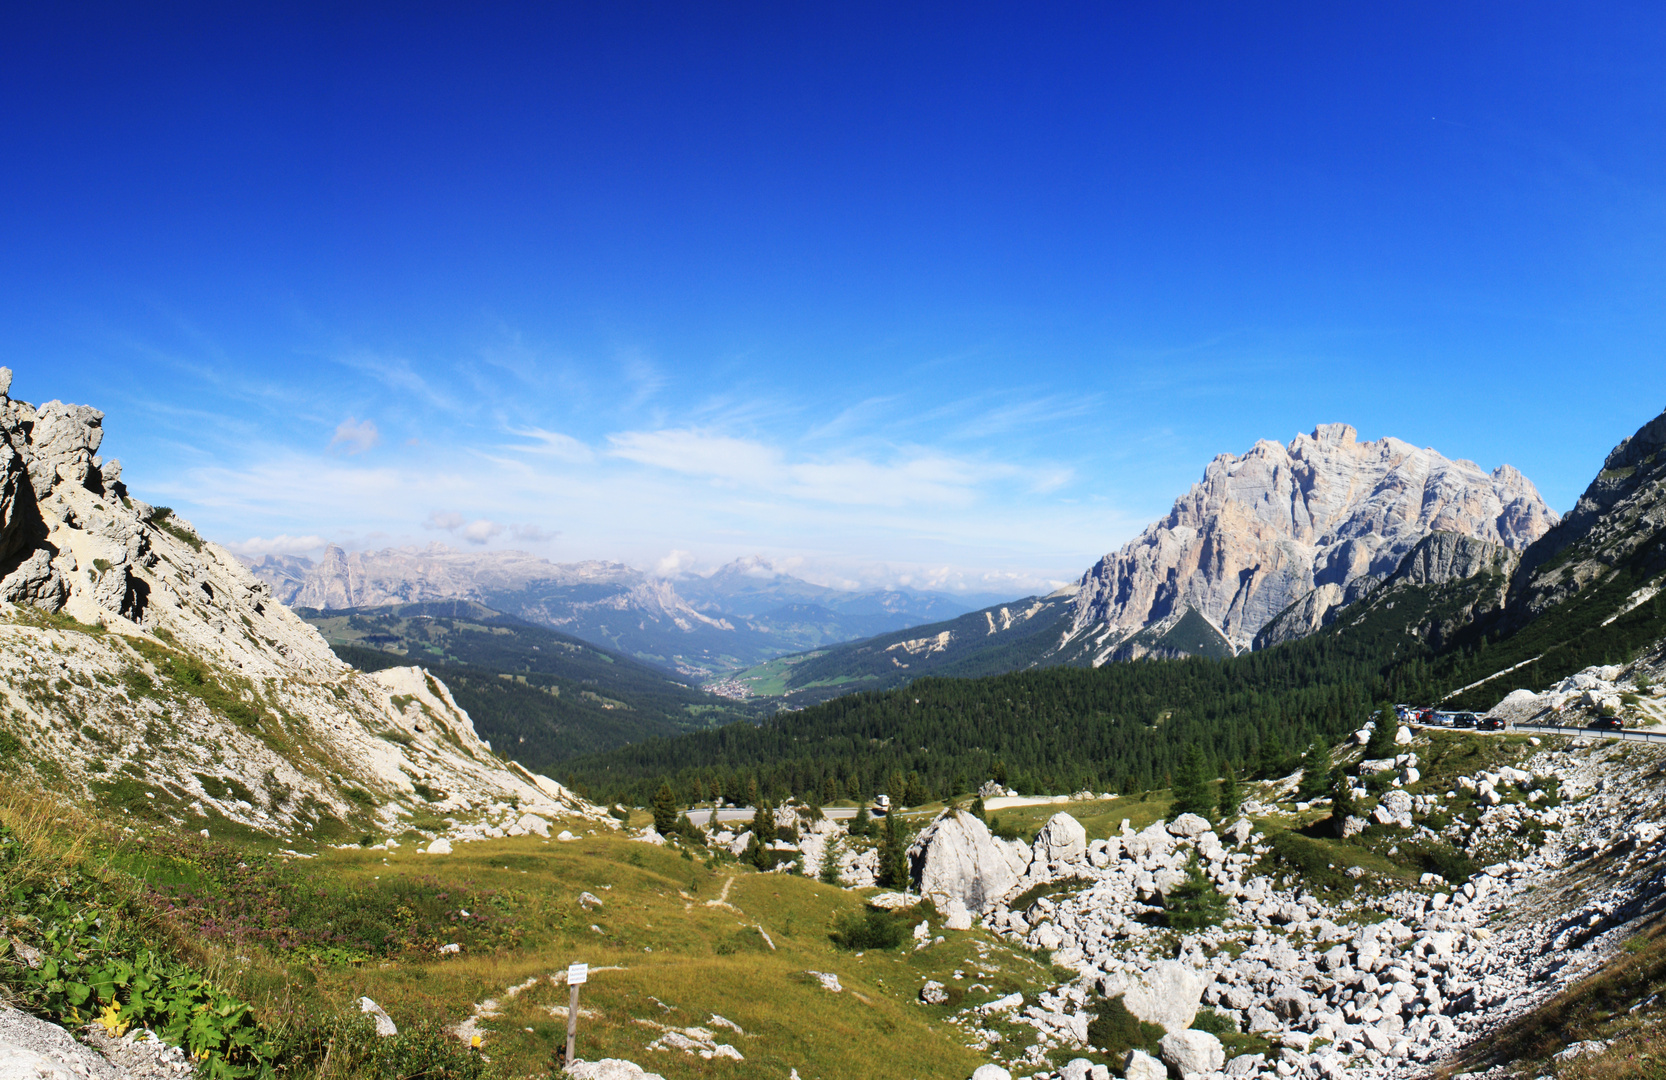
(1194, 903)
(829, 872)
(999, 772)
(862, 823)
(1190, 788)
(893, 842)
(1230, 796)
(1382, 744)
(1342, 803)
(763, 834)
(665, 810)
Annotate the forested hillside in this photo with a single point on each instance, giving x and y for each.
(1123, 726)
(536, 695)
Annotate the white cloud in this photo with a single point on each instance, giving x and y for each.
(701, 453)
(674, 563)
(555, 445)
(355, 437)
(481, 531)
(283, 544)
(532, 534)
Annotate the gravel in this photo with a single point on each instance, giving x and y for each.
(33, 1049)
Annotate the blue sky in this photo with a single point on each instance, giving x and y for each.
(957, 295)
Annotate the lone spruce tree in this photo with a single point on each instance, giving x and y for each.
(1230, 797)
(1382, 743)
(1342, 802)
(1195, 902)
(829, 872)
(1190, 786)
(763, 834)
(893, 841)
(665, 809)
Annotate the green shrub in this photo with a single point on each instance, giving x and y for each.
(1307, 858)
(1195, 902)
(1438, 858)
(1216, 1023)
(859, 931)
(1114, 1030)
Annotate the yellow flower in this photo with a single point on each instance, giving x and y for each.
(112, 1021)
(474, 1043)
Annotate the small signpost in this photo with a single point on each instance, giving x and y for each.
(577, 975)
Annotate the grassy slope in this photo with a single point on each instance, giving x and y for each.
(655, 926)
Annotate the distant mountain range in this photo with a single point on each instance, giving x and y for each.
(697, 626)
(1282, 537)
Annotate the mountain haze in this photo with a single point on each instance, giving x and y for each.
(694, 625)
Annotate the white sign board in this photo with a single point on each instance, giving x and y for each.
(578, 974)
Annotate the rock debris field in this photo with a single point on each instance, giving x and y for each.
(1382, 987)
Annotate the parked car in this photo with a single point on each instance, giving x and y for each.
(1464, 720)
(1490, 723)
(1608, 723)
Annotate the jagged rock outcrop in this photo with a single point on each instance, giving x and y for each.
(133, 651)
(1263, 530)
(1620, 518)
(1441, 558)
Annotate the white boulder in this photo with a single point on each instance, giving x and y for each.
(609, 1069)
(1189, 825)
(1140, 1065)
(1192, 1052)
(1063, 839)
(384, 1023)
(956, 858)
(1167, 993)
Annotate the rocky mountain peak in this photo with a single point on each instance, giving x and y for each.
(1262, 530)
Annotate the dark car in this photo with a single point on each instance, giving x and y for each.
(1464, 720)
(1490, 723)
(1608, 723)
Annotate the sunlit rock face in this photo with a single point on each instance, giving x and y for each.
(1264, 530)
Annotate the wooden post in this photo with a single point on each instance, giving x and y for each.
(577, 975)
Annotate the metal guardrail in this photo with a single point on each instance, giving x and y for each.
(1627, 734)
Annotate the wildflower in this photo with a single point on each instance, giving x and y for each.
(112, 1020)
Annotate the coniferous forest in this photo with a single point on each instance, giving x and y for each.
(1124, 727)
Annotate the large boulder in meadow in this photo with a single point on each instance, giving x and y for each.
(1062, 839)
(956, 858)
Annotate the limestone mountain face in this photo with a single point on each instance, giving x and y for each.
(1266, 529)
(141, 661)
(1456, 580)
